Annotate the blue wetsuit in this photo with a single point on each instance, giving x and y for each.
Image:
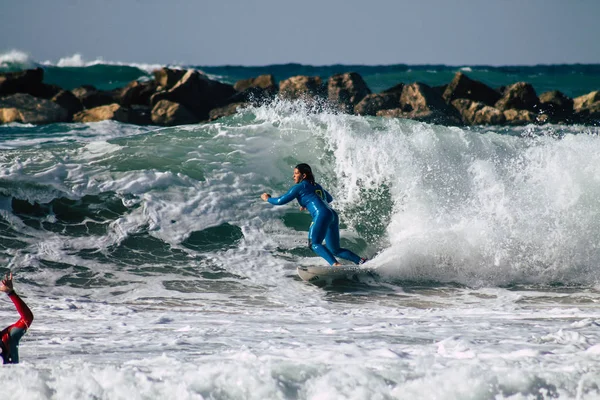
(326, 223)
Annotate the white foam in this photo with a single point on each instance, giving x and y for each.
(77, 60)
(16, 57)
(81, 133)
(73, 61)
(468, 202)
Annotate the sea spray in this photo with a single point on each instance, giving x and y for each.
(475, 206)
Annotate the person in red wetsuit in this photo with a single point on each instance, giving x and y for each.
(12, 334)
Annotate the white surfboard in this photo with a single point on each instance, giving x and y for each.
(327, 274)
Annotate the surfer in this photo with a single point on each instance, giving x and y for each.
(12, 334)
(325, 221)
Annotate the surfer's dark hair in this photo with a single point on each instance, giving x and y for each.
(305, 169)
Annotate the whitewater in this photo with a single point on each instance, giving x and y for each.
(155, 271)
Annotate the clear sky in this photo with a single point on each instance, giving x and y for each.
(318, 32)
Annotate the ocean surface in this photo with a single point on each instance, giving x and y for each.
(155, 271)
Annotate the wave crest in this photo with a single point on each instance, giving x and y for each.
(15, 59)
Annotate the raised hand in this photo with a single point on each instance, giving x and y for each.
(7, 283)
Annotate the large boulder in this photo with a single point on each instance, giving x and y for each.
(589, 115)
(301, 87)
(253, 95)
(115, 112)
(440, 89)
(225, 111)
(83, 90)
(463, 87)
(169, 113)
(586, 100)
(68, 101)
(140, 114)
(374, 102)
(197, 93)
(519, 96)
(587, 108)
(557, 106)
(166, 78)
(346, 90)
(91, 97)
(254, 90)
(520, 117)
(421, 102)
(137, 93)
(44, 91)
(22, 107)
(27, 81)
(265, 82)
(395, 89)
(476, 113)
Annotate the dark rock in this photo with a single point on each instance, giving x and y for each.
(169, 113)
(432, 117)
(91, 97)
(28, 81)
(463, 87)
(346, 90)
(83, 90)
(253, 95)
(476, 113)
(225, 111)
(265, 82)
(197, 93)
(257, 90)
(44, 91)
(587, 108)
(557, 106)
(166, 78)
(98, 99)
(140, 115)
(395, 89)
(68, 101)
(519, 96)
(520, 117)
(419, 96)
(586, 100)
(375, 102)
(137, 93)
(440, 89)
(25, 108)
(422, 103)
(301, 87)
(589, 115)
(114, 111)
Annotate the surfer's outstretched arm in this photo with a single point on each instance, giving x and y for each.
(284, 199)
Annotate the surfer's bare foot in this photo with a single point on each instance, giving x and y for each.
(337, 264)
